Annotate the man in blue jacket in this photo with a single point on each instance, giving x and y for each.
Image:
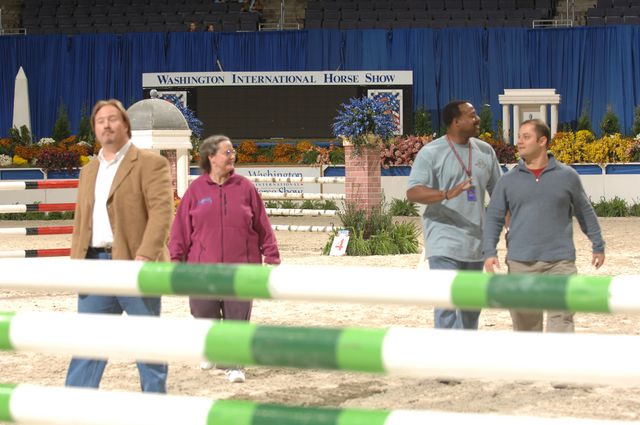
(541, 195)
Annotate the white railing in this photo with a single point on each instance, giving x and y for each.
(552, 23)
(270, 26)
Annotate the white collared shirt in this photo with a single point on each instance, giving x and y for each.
(102, 235)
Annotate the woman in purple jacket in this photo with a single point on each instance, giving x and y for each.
(222, 219)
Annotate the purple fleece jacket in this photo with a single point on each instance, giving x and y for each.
(224, 223)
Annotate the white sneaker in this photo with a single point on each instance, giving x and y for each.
(235, 376)
(206, 365)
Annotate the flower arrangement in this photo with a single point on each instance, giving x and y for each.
(19, 161)
(324, 156)
(195, 125)
(402, 150)
(608, 149)
(365, 121)
(84, 159)
(246, 151)
(45, 141)
(284, 152)
(5, 146)
(304, 146)
(57, 159)
(634, 149)
(303, 152)
(568, 148)
(505, 152)
(583, 147)
(5, 160)
(27, 152)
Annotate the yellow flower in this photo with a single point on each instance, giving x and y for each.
(18, 160)
(84, 160)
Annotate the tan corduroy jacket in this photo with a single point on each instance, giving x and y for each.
(140, 207)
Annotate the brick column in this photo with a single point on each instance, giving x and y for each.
(363, 185)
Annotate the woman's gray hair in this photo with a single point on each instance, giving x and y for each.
(210, 147)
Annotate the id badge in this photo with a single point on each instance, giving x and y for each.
(471, 194)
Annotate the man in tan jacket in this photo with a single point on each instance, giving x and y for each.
(123, 212)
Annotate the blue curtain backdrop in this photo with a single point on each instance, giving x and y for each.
(592, 68)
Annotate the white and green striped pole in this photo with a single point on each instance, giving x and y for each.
(425, 353)
(470, 290)
(31, 404)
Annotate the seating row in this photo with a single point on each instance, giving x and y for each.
(441, 23)
(105, 23)
(428, 4)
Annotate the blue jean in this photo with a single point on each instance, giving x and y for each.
(88, 372)
(455, 319)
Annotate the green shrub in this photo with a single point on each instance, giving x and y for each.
(616, 207)
(287, 204)
(62, 127)
(584, 123)
(423, 122)
(403, 207)
(358, 246)
(311, 204)
(271, 204)
(310, 156)
(636, 122)
(383, 244)
(375, 233)
(36, 215)
(486, 119)
(405, 235)
(610, 123)
(85, 133)
(352, 217)
(20, 136)
(60, 215)
(336, 156)
(329, 204)
(634, 210)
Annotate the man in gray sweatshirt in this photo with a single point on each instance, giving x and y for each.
(450, 176)
(539, 197)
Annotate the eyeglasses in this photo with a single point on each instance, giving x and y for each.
(230, 152)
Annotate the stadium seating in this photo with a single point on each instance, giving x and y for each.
(103, 16)
(363, 14)
(614, 12)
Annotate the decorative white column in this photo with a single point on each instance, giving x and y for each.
(506, 123)
(182, 171)
(554, 120)
(543, 113)
(527, 101)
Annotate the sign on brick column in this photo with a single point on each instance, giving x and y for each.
(363, 185)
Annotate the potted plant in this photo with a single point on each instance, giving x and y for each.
(365, 122)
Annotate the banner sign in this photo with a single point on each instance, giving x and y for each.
(283, 172)
(316, 78)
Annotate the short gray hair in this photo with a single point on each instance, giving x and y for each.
(210, 147)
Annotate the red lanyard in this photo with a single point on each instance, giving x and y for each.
(455, 152)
